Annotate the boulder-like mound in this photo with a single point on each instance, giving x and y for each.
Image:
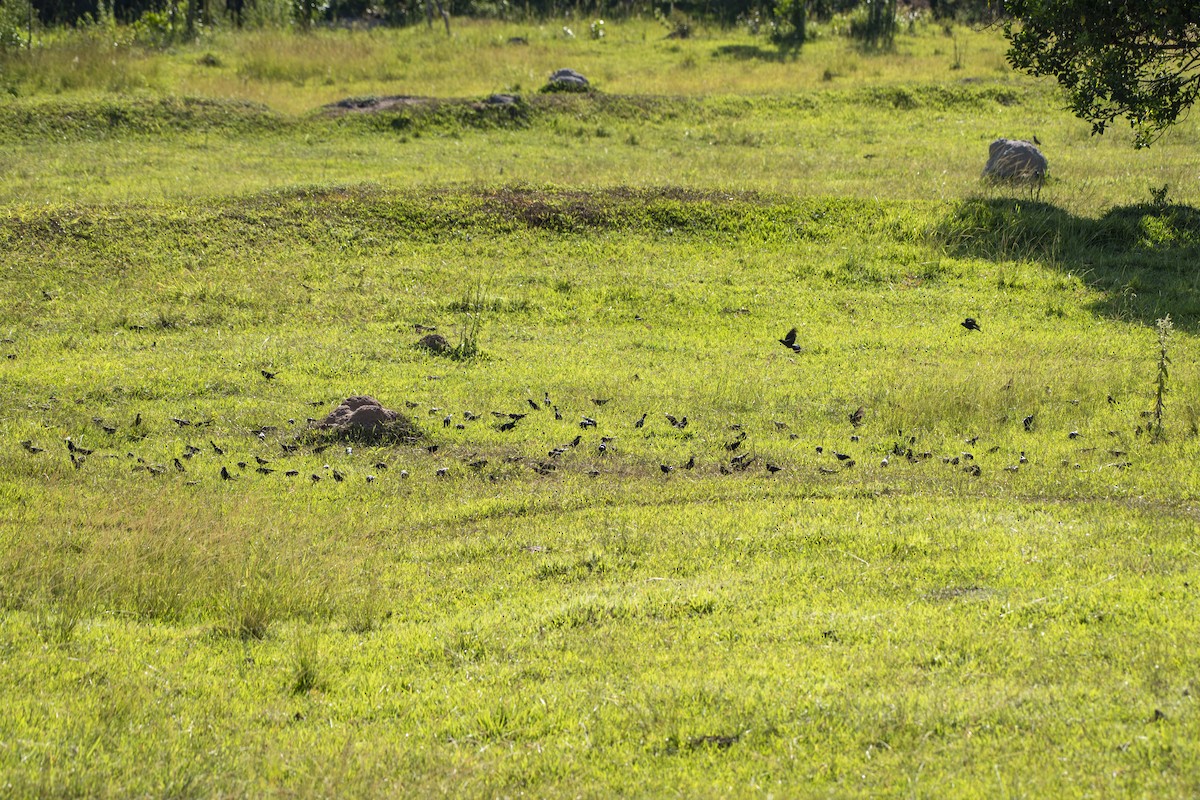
(434, 343)
(1015, 160)
(567, 80)
(365, 418)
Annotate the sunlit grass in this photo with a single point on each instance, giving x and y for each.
(990, 593)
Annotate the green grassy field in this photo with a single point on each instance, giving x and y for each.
(992, 594)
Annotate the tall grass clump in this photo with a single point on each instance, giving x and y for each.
(470, 308)
(1160, 384)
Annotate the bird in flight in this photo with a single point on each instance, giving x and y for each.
(789, 341)
(970, 324)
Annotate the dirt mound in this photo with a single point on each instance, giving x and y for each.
(365, 419)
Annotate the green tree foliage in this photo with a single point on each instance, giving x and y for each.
(1137, 59)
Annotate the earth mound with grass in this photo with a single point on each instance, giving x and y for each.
(364, 418)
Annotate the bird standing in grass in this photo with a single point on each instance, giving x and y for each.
(970, 324)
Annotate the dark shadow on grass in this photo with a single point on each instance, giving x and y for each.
(1144, 258)
(752, 52)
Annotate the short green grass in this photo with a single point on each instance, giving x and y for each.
(570, 619)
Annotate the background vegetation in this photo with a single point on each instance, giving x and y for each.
(993, 593)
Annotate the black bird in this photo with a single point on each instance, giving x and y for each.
(640, 422)
(1036, 140)
(262, 462)
(600, 402)
(268, 375)
(772, 468)
(789, 340)
(842, 456)
(557, 415)
(264, 470)
(666, 469)
(291, 473)
(225, 476)
(446, 421)
(970, 324)
(691, 462)
(216, 449)
(857, 416)
(178, 465)
(507, 426)
(181, 422)
(587, 422)
(532, 404)
(339, 477)
(575, 442)
(1028, 421)
(31, 447)
(74, 448)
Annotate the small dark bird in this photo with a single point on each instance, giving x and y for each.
(789, 340)
(640, 422)
(841, 456)
(443, 472)
(517, 417)
(587, 422)
(1036, 140)
(970, 324)
(262, 462)
(216, 449)
(667, 469)
(1111, 401)
(469, 417)
(557, 414)
(179, 465)
(546, 399)
(31, 447)
(315, 477)
(772, 468)
(507, 426)
(181, 422)
(289, 448)
(671, 419)
(446, 421)
(225, 476)
(241, 464)
(291, 473)
(339, 477)
(264, 470)
(691, 462)
(381, 465)
(137, 420)
(857, 416)
(600, 402)
(74, 448)
(1028, 421)
(734, 445)
(433, 448)
(478, 464)
(575, 442)
(500, 414)
(532, 404)
(268, 375)
(109, 429)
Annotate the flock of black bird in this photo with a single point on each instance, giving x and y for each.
(739, 454)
